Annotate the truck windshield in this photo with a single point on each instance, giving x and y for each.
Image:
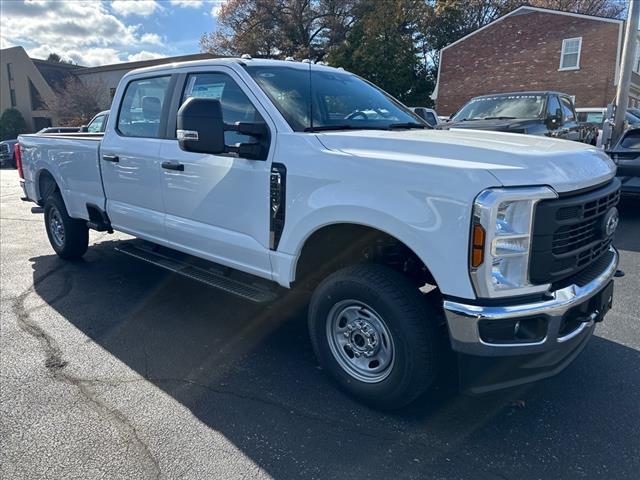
(340, 100)
(502, 106)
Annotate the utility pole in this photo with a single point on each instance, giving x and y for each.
(626, 66)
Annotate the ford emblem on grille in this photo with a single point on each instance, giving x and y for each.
(610, 221)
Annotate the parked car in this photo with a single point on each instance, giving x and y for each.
(626, 155)
(534, 113)
(7, 156)
(596, 117)
(97, 124)
(429, 115)
(409, 241)
(59, 130)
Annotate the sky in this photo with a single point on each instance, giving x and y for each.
(100, 32)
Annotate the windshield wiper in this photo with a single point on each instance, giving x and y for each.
(498, 118)
(321, 128)
(406, 125)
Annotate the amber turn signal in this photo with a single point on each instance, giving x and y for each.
(477, 246)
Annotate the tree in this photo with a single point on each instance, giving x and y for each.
(55, 58)
(77, 102)
(280, 28)
(383, 47)
(12, 124)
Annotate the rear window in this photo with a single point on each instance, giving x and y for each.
(593, 118)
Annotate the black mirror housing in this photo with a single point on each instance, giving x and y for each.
(200, 127)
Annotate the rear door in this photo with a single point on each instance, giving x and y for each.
(217, 207)
(130, 157)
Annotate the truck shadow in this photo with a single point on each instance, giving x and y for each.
(248, 372)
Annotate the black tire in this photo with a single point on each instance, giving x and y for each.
(409, 318)
(74, 241)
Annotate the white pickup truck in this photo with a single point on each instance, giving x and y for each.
(258, 176)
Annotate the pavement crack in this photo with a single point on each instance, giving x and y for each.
(55, 365)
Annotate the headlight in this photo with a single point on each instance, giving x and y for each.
(501, 241)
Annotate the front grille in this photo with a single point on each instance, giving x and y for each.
(568, 233)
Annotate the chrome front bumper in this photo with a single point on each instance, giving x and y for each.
(463, 319)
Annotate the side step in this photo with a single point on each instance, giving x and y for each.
(245, 286)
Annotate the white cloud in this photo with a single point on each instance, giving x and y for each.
(216, 6)
(89, 57)
(144, 55)
(142, 8)
(152, 38)
(83, 31)
(187, 3)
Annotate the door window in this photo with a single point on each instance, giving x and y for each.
(236, 106)
(553, 105)
(567, 110)
(141, 108)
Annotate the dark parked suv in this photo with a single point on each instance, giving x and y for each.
(535, 113)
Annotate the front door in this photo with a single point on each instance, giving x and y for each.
(217, 207)
(131, 162)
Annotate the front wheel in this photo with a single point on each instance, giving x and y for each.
(376, 334)
(68, 236)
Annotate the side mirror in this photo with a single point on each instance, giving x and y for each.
(555, 119)
(84, 129)
(200, 127)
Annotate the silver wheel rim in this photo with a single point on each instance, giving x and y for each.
(360, 341)
(56, 227)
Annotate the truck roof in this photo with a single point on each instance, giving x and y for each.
(234, 61)
(527, 92)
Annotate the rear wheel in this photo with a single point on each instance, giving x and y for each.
(68, 236)
(376, 334)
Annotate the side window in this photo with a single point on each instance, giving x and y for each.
(567, 110)
(553, 105)
(141, 107)
(236, 106)
(96, 125)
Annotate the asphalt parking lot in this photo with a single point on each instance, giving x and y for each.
(111, 368)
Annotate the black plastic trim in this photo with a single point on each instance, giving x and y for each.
(277, 203)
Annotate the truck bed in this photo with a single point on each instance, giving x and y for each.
(73, 161)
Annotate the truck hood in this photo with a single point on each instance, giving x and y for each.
(513, 159)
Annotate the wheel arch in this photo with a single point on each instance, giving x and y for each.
(332, 245)
(46, 184)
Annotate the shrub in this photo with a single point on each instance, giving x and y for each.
(12, 124)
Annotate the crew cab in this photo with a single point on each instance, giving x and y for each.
(279, 181)
(535, 113)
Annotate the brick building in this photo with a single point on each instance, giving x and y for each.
(536, 49)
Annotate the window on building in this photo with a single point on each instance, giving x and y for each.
(141, 108)
(12, 94)
(10, 71)
(636, 64)
(37, 103)
(570, 56)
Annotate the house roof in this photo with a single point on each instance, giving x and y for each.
(527, 9)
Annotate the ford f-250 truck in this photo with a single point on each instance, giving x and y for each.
(258, 176)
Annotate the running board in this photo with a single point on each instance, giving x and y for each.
(215, 276)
